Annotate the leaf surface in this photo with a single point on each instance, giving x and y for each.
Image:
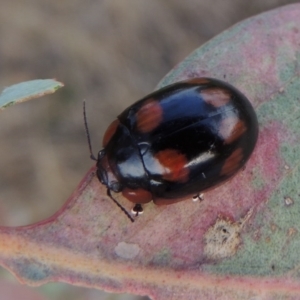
(241, 242)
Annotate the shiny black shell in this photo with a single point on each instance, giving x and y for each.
(178, 141)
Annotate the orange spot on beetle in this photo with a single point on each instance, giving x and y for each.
(216, 97)
(137, 195)
(233, 162)
(231, 129)
(149, 116)
(198, 81)
(110, 132)
(174, 165)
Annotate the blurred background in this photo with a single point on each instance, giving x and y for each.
(109, 52)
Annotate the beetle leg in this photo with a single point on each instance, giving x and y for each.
(198, 197)
(137, 210)
(119, 205)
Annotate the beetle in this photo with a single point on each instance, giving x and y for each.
(183, 139)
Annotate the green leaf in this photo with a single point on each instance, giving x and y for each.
(27, 90)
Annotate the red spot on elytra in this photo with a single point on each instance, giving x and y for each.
(231, 129)
(216, 97)
(198, 81)
(110, 132)
(149, 116)
(174, 165)
(233, 162)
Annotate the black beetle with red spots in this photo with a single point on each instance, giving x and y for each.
(177, 142)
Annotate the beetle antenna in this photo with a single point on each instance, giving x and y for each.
(92, 156)
(120, 206)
